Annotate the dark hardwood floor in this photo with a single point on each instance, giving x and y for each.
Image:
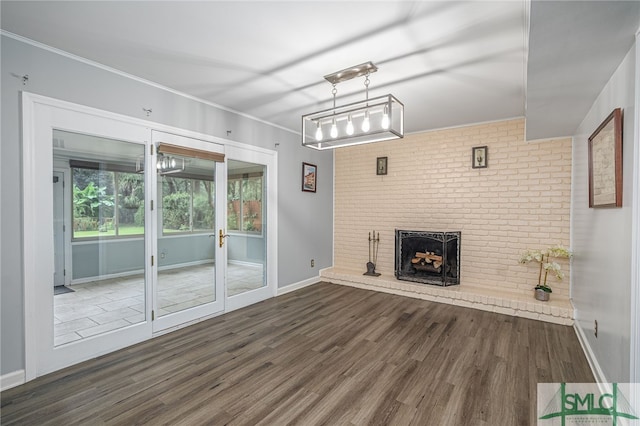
(326, 354)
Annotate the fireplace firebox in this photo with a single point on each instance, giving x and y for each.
(428, 257)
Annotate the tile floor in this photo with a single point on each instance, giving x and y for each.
(100, 306)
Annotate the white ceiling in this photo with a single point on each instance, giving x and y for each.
(574, 48)
(450, 63)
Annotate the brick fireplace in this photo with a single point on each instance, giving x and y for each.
(431, 185)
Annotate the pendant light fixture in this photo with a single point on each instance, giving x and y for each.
(167, 165)
(371, 120)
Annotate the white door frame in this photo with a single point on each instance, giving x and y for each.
(40, 114)
(270, 160)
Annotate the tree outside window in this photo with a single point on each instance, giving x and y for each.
(244, 203)
(187, 205)
(110, 203)
(107, 203)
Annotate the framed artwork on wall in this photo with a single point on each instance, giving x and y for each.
(309, 177)
(479, 157)
(381, 166)
(605, 162)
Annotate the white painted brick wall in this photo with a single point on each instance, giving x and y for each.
(520, 201)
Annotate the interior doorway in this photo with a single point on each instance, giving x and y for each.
(59, 272)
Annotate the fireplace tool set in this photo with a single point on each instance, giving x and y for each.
(374, 242)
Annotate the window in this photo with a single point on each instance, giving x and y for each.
(244, 202)
(106, 202)
(187, 204)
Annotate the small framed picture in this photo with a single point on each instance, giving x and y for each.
(309, 177)
(381, 166)
(605, 163)
(479, 157)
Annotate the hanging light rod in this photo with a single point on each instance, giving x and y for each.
(352, 72)
(370, 120)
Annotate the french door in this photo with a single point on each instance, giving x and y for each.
(189, 274)
(103, 234)
(251, 213)
(141, 225)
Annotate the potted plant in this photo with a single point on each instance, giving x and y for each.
(543, 290)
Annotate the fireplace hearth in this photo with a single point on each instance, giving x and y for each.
(428, 257)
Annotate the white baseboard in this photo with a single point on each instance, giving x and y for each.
(297, 286)
(185, 264)
(105, 277)
(598, 374)
(245, 263)
(11, 380)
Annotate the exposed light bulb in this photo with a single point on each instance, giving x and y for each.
(366, 125)
(159, 165)
(385, 118)
(164, 163)
(173, 163)
(334, 129)
(319, 133)
(349, 126)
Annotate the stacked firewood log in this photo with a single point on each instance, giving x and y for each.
(427, 261)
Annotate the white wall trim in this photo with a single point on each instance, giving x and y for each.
(11, 380)
(477, 123)
(28, 246)
(194, 98)
(157, 127)
(598, 374)
(299, 285)
(138, 79)
(545, 140)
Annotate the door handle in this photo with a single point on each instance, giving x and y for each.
(221, 237)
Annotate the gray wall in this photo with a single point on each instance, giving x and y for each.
(184, 249)
(89, 260)
(601, 238)
(106, 257)
(305, 220)
(246, 249)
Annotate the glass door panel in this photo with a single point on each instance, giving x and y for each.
(186, 234)
(246, 227)
(189, 278)
(105, 239)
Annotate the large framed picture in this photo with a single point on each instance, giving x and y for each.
(309, 177)
(605, 163)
